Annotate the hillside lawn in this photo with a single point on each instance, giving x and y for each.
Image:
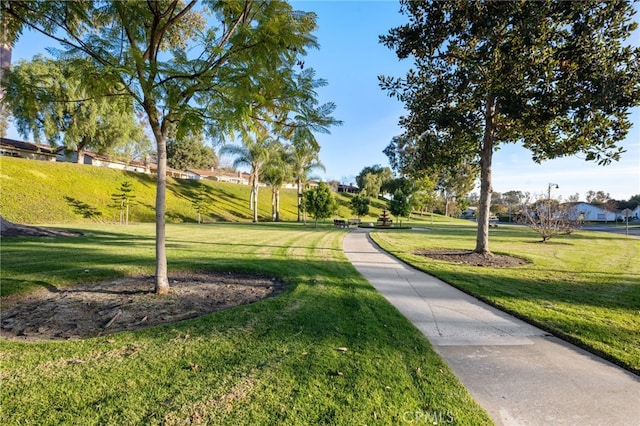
(328, 350)
(583, 287)
(41, 192)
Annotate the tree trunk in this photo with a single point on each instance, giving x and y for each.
(162, 281)
(486, 155)
(273, 204)
(80, 151)
(277, 205)
(299, 196)
(255, 199)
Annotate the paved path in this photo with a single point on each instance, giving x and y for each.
(520, 374)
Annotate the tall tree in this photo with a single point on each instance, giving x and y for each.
(305, 159)
(372, 179)
(276, 172)
(399, 205)
(254, 153)
(554, 76)
(246, 56)
(320, 202)
(49, 98)
(190, 151)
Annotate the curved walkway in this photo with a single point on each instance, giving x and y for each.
(518, 373)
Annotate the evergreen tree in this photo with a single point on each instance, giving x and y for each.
(123, 199)
(360, 205)
(320, 202)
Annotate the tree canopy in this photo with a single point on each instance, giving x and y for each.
(215, 65)
(190, 151)
(320, 202)
(50, 99)
(553, 76)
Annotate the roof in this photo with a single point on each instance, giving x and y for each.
(28, 146)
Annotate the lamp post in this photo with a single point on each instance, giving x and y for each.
(551, 185)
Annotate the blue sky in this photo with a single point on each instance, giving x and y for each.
(351, 58)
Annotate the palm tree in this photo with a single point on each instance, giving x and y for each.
(304, 159)
(254, 152)
(276, 172)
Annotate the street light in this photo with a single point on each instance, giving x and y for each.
(551, 185)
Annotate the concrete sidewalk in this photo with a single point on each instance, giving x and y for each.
(518, 373)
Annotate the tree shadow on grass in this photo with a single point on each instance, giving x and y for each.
(83, 209)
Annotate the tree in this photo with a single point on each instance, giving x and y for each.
(554, 76)
(276, 172)
(190, 151)
(254, 153)
(123, 199)
(372, 178)
(360, 205)
(246, 57)
(200, 201)
(549, 217)
(599, 197)
(320, 202)
(49, 98)
(304, 160)
(399, 205)
(455, 184)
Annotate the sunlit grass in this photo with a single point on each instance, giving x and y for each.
(328, 350)
(584, 287)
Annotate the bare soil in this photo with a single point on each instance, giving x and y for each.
(102, 308)
(468, 257)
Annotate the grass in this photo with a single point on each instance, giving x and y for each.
(584, 287)
(272, 362)
(41, 192)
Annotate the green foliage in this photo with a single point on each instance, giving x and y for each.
(554, 76)
(122, 200)
(53, 99)
(399, 205)
(319, 202)
(190, 152)
(201, 201)
(372, 179)
(360, 205)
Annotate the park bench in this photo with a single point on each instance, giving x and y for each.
(493, 223)
(354, 221)
(340, 223)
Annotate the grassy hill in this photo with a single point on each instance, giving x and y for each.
(38, 192)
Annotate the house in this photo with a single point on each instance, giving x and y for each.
(219, 175)
(351, 189)
(594, 212)
(99, 160)
(31, 151)
(469, 213)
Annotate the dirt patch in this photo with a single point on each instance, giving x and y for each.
(107, 307)
(468, 257)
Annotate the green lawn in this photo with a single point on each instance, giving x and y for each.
(584, 287)
(42, 192)
(272, 362)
